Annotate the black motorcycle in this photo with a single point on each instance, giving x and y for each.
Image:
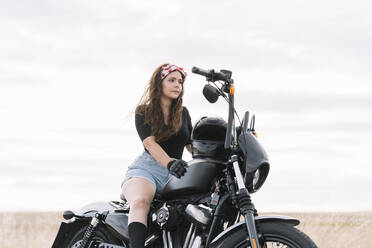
(210, 206)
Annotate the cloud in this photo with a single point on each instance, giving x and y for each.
(101, 35)
(301, 102)
(19, 142)
(69, 69)
(98, 131)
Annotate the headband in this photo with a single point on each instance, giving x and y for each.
(165, 70)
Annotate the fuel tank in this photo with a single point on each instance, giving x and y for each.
(198, 179)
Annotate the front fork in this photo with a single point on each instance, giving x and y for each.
(245, 204)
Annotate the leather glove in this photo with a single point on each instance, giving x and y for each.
(177, 167)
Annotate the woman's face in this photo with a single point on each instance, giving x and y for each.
(172, 85)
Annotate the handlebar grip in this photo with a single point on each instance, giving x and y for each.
(210, 74)
(197, 70)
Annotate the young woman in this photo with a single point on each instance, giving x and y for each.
(164, 127)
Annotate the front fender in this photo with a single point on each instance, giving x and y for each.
(258, 219)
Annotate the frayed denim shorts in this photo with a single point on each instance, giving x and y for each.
(145, 166)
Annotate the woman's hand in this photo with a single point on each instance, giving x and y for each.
(177, 167)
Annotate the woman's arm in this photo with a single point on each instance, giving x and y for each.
(189, 148)
(156, 151)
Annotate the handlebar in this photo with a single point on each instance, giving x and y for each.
(223, 75)
(211, 75)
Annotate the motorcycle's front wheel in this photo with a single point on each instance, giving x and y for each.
(274, 235)
(101, 234)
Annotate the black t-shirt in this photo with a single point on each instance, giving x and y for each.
(175, 144)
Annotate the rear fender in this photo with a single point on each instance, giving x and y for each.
(117, 223)
(258, 219)
(92, 208)
(67, 231)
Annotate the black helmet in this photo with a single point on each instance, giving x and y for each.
(208, 138)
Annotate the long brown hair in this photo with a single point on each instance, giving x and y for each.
(149, 106)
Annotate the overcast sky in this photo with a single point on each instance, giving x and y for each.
(71, 73)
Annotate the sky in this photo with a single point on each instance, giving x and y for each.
(72, 72)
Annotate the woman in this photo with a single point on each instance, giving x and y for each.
(164, 127)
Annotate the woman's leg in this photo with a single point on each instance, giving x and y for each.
(139, 193)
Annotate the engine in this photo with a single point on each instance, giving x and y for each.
(169, 216)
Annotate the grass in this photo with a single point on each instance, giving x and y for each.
(337, 229)
(328, 230)
(28, 229)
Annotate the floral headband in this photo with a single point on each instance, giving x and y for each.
(165, 70)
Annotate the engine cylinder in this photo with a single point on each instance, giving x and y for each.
(198, 215)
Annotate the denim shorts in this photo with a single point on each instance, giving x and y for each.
(145, 166)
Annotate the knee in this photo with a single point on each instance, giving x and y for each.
(141, 203)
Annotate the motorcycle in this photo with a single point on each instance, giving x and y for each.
(210, 206)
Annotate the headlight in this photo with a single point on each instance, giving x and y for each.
(254, 180)
(256, 177)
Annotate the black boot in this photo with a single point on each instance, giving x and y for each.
(137, 234)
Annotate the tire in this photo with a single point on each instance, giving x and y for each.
(274, 235)
(100, 234)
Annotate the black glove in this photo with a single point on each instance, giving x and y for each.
(177, 167)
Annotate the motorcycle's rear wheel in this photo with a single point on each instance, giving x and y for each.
(101, 234)
(274, 235)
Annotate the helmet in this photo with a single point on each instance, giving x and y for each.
(208, 138)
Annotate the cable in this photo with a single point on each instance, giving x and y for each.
(227, 100)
